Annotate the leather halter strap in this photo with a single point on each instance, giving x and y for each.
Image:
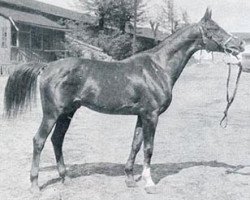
(223, 44)
(224, 120)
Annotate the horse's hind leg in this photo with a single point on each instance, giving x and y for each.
(136, 144)
(62, 125)
(38, 144)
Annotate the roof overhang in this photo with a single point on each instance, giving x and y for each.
(49, 9)
(30, 19)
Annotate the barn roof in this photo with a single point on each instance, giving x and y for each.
(31, 19)
(50, 9)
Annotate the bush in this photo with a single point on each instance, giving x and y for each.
(120, 47)
(112, 41)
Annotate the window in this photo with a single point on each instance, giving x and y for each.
(48, 39)
(36, 38)
(4, 37)
(24, 39)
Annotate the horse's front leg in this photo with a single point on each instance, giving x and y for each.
(149, 123)
(136, 145)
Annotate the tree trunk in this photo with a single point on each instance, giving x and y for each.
(135, 27)
(122, 26)
(101, 22)
(154, 27)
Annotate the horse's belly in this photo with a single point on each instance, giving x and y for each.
(113, 108)
(112, 97)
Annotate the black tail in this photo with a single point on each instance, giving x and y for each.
(21, 88)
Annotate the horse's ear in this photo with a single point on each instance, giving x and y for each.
(208, 15)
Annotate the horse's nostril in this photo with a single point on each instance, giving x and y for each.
(242, 44)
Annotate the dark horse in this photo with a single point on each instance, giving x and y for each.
(140, 85)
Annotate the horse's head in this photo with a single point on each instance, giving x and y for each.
(216, 38)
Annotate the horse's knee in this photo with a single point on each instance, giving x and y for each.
(56, 141)
(38, 144)
(136, 145)
(148, 151)
(137, 141)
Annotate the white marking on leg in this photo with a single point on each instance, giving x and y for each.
(146, 175)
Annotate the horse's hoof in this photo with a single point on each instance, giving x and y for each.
(151, 189)
(130, 183)
(139, 178)
(35, 190)
(66, 181)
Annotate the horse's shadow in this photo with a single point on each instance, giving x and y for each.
(159, 171)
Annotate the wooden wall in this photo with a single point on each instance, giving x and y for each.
(5, 40)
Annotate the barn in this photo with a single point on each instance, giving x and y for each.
(29, 30)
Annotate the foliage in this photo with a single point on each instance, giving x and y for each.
(109, 34)
(120, 47)
(113, 16)
(113, 13)
(101, 8)
(123, 12)
(112, 41)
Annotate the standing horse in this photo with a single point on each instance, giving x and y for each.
(140, 85)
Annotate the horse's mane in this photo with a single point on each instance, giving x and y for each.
(169, 38)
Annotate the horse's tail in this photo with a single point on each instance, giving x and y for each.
(21, 86)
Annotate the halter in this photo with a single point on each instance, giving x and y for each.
(205, 40)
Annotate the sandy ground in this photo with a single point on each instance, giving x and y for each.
(191, 158)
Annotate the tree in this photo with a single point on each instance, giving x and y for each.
(185, 17)
(122, 13)
(101, 8)
(114, 13)
(162, 16)
(135, 27)
(167, 17)
(172, 15)
(154, 17)
(154, 27)
(110, 35)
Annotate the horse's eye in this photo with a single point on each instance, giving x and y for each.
(213, 29)
(209, 36)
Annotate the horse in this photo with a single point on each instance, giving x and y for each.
(140, 85)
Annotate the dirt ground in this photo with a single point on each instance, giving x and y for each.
(191, 158)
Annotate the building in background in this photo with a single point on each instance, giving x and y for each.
(29, 30)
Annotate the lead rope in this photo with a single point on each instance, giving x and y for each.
(224, 120)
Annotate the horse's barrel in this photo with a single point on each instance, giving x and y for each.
(245, 61)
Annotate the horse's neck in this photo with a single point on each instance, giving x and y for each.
(173, 54)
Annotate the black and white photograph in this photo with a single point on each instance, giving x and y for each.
(124, 100)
